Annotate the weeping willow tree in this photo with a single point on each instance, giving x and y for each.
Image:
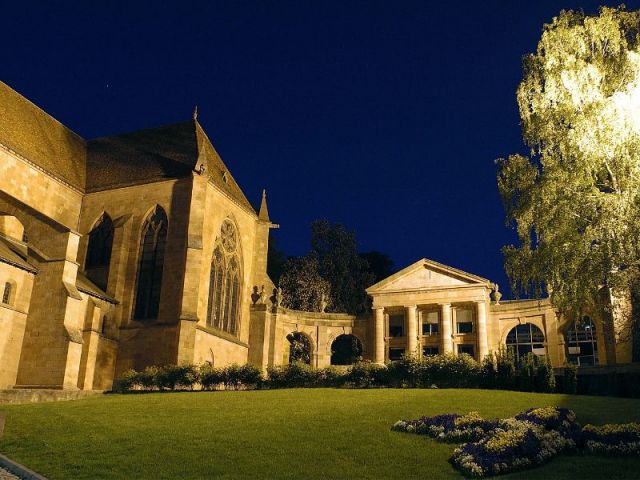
(575, 200)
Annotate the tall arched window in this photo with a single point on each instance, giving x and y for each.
(6, 294)
(152, 247)
(582, 342)
(99, 252)
(225, 281)
(215, 279)
(524, 339)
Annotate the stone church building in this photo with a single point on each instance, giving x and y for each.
(141, 249)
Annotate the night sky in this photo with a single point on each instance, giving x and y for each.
(384, 116)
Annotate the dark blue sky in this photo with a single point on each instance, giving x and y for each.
(385, 116)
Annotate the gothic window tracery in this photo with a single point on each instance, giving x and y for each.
(152, 248)
(224, 282)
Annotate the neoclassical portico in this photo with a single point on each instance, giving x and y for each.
(429, 308)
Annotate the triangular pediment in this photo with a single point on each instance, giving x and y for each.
(426, 274)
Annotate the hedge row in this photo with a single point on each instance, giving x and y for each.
(497, 371)
(206, 377)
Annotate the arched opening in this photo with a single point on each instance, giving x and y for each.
(223, 311)
(346, 350)
(99, 252)
(299, 348)
(524, 339)
(582, 342)
(152, 246)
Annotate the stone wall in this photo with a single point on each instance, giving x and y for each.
(13, 321)
(270, 328)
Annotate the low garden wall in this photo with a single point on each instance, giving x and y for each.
(614, 381)
(43, 395)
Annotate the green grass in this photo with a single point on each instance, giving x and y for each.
(306, 434)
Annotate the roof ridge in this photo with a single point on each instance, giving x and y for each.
(132, 132)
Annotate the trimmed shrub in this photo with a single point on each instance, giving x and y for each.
(172, 376)
(570, 379)
(148, 379)
(331, 377)
(126, 382)
(545, 379)
(250, 376)
(294, 375)
(210, 377)
(231, 377)
(505, 366)
(367, 375)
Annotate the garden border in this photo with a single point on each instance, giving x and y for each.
(20, 470)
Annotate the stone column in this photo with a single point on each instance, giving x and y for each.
(379, 335)
(412, 329)
(445, 335)
(481, 331)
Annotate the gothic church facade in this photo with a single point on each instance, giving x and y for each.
(119, 252)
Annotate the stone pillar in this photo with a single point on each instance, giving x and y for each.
(412, 329)
(195, 261)
(379, 335)
(445, 335)
(481, 331)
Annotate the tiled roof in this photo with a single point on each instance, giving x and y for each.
(40, 138)
(171, 151)
(11, 254)
(145, 156)
(142, 156)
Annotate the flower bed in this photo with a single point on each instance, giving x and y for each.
(449, 427)
(619, 440)
(515, 445)
(553, 418)
(528, 439)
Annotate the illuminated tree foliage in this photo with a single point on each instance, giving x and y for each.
(302, 285)
(575, 201)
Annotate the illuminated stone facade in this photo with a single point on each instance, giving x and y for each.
(141, 249)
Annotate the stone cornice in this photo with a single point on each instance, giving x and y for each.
(52, 175)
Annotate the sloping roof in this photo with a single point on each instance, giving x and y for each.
(87, 286)
(140, 157)
(430, 264)
(171, 151)
(218, 171)
(11, 254)
(37, 136)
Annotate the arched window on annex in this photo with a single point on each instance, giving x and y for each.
(8, 292)
(99, 252)
(223, 311)
(582, 342)
(524, 339)
(346, 350)
(153, 241)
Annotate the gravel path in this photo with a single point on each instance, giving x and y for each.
(4, 475)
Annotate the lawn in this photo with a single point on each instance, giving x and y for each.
(306, 434)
